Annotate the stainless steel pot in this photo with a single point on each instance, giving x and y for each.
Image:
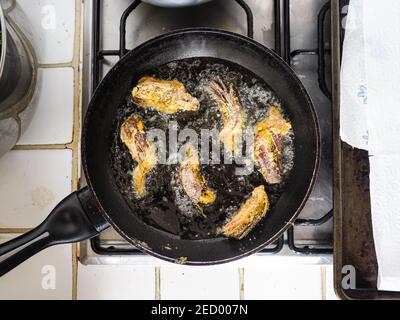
(175, 3)
(17, 82)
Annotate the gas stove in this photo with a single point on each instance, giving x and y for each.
(298, 30)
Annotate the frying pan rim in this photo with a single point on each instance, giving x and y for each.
(288, 71)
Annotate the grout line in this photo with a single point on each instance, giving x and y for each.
(56, 65)
(43, 146)
(14, 230)
(74, 250)
(157, 283)
(76, 126)
(323, 283)
(241, 283)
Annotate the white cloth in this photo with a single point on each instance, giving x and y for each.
(370, 119)
(382, 60)
(353, 92)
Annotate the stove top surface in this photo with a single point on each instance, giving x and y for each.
(301, 37)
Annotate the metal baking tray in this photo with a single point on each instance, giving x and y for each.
(353, 237)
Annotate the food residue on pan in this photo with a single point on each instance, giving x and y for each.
(168, 247)
(142, 244)
(192, 199)
(181, 260)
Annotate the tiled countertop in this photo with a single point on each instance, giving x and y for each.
(44, 168)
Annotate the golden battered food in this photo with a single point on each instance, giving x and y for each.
(192, 180)
(275, 122)
(267, 144)
(169, 96)
(232, 113)
(142, 150)
(248, 215)
(266, 156)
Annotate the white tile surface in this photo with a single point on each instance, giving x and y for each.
(329, 285)
(286, 282)
(32, 183)
(50, 26)
(116, 282)
(47, 275)
(186, 283)
(53, 103)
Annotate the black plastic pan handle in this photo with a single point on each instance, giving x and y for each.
(75, 218)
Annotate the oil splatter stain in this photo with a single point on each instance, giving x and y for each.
(42, 197)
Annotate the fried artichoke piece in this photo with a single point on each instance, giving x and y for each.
(232, 113)
(275, 122)
(248, 215)
(192, 180)
(266, 156)
(142, 150)
(169, 96)
(268, 144)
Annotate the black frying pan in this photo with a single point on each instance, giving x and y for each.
(87, 212)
